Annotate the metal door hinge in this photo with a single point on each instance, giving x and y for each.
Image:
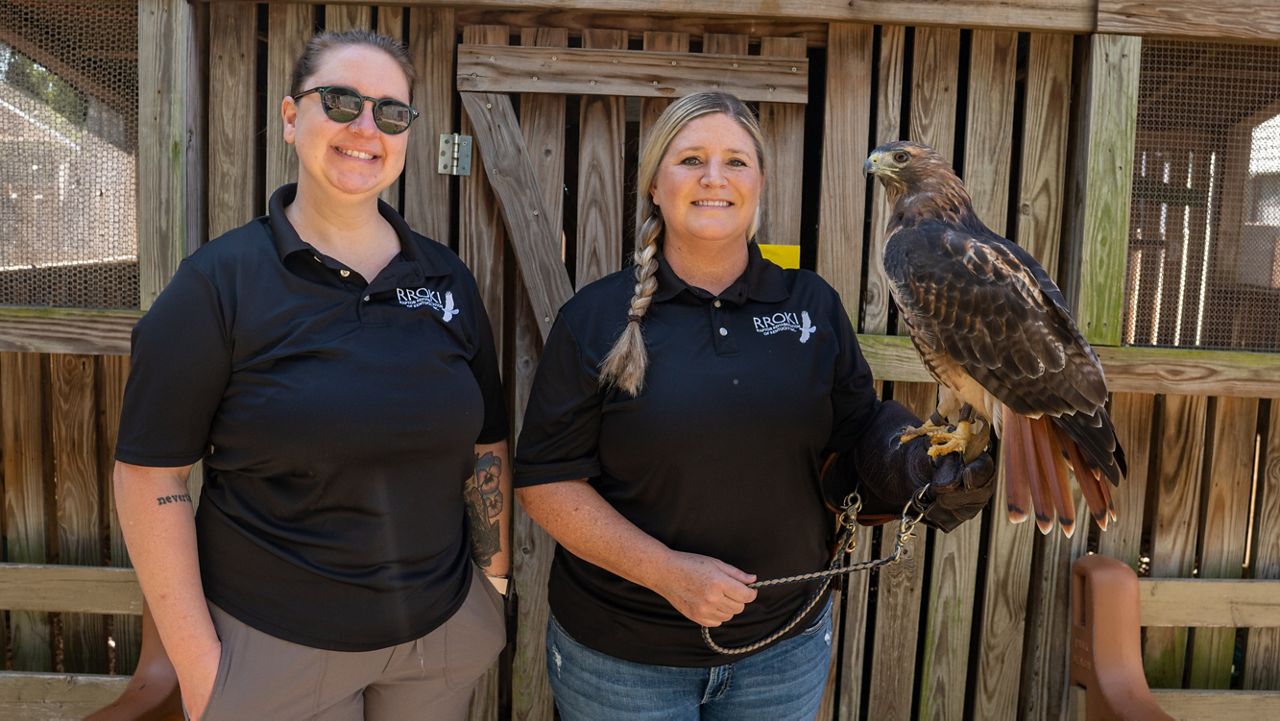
(455, 154)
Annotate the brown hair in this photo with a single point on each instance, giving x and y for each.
(305, 66)
(627, 361)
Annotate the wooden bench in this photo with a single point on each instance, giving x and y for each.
(151, 694)
(1110, 604)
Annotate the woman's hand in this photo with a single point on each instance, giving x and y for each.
(196, 677)
(705, 590)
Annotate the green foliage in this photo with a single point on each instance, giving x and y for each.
(42, 84)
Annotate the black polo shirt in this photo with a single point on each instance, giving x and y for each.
(337, 420)
(719, 454)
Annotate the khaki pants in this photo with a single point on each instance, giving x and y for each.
(263, 678)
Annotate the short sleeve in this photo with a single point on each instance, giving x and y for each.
(484, 365)
(561, 433)
(853, 397)
(180, 363)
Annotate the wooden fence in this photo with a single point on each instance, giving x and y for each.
(1037, 118)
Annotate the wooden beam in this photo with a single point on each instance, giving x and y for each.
(813, 32)
(1055, 15)
(510, 170)
(1254, 20)
(1214, 705)
(640, 73)
(66, 330)
(1209, 602)
(56, 696)
(79, 589)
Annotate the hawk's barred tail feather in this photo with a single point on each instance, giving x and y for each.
(1017, 476)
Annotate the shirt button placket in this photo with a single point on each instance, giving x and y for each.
(723, 341)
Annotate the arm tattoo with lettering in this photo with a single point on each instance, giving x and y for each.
(175, 498)
(483, 495)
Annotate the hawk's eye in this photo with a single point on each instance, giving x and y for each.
(901, 156)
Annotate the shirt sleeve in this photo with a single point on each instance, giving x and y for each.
(484, 365)
(179, 367)
(853, 397)
(561, 433)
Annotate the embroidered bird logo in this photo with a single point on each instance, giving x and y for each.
(807, 328)
(448, 312)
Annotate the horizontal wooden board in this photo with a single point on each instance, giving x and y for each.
(1208, 602)
(1206, 705)
(640, 73)
(1057, 15)
(1131, 370)
(814, 32)
(1238, 19)
(56, 696)
(80, 589)
(66, 330)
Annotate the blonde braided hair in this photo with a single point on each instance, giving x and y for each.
(625, 364)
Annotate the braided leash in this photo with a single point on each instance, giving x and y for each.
(845, 545)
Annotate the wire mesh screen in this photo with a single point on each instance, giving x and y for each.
(1204, 244)
(68, 119)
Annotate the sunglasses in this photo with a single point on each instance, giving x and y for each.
(344, 105)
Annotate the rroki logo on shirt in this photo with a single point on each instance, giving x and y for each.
(785, 321)
(418, 297)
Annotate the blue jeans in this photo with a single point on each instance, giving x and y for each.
(781, 683)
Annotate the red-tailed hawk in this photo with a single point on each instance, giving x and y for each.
(994, 330)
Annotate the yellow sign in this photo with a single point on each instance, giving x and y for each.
(786, 256)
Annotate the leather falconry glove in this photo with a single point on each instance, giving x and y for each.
(887, 474)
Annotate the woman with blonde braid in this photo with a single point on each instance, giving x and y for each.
(673, 443)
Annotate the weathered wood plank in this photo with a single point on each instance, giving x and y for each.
(601, 144)
(76, 589)
(853, 639)
(893, 657)
(1132, 414)
(1173, 537)
(782, 125)
(1099, 228)
(113, 371)
(1241, 20)
(391, 23)
(170, 198)
(233, 102)
(72, 416)
(27, 464)
(426, 193)
(482, 240)
(1063, 16)
(66, 330)
(847, 118)
(935, 89)
(1225, 530)
(1262, 664)
(725, 44)
(542, 119)
(1209, 705)
(875, 309)
(1210, 603)
(511, 171)
(1042, 184)
(56, 696)
(585, 71)
(289, 26)
(814, 32)
(347, 17)
(831, 692)
(651, 108)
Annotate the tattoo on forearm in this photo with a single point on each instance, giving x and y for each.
(483, 495)
(175, 498)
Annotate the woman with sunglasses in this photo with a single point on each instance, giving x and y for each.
(336, 374)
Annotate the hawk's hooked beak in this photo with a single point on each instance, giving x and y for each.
(870, 165)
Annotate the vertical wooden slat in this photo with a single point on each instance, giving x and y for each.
(1262, 665)
(426, 192)
(1041, 187)
(1174, 225)
(875, 309)
(725, 44)
(23, 419)
(75, 471)
(289, 26)
(1132, 414)
(542, 121)
(1173, 539)
(988, 141)
(347, 17)
(126, 631)
(1100, 224)
(482, 238)
(893, 659)
(1226, 522)
(651, 108)
(233, 103)
(391, 24)
(782, 125)
(934, 81)
(170, 120)
(601, 140)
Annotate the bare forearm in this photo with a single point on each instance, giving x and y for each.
(159, 528)
(488, 497)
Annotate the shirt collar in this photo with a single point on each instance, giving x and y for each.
(762, 281)
(289, 242)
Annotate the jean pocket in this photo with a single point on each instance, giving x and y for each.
(821, 621)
